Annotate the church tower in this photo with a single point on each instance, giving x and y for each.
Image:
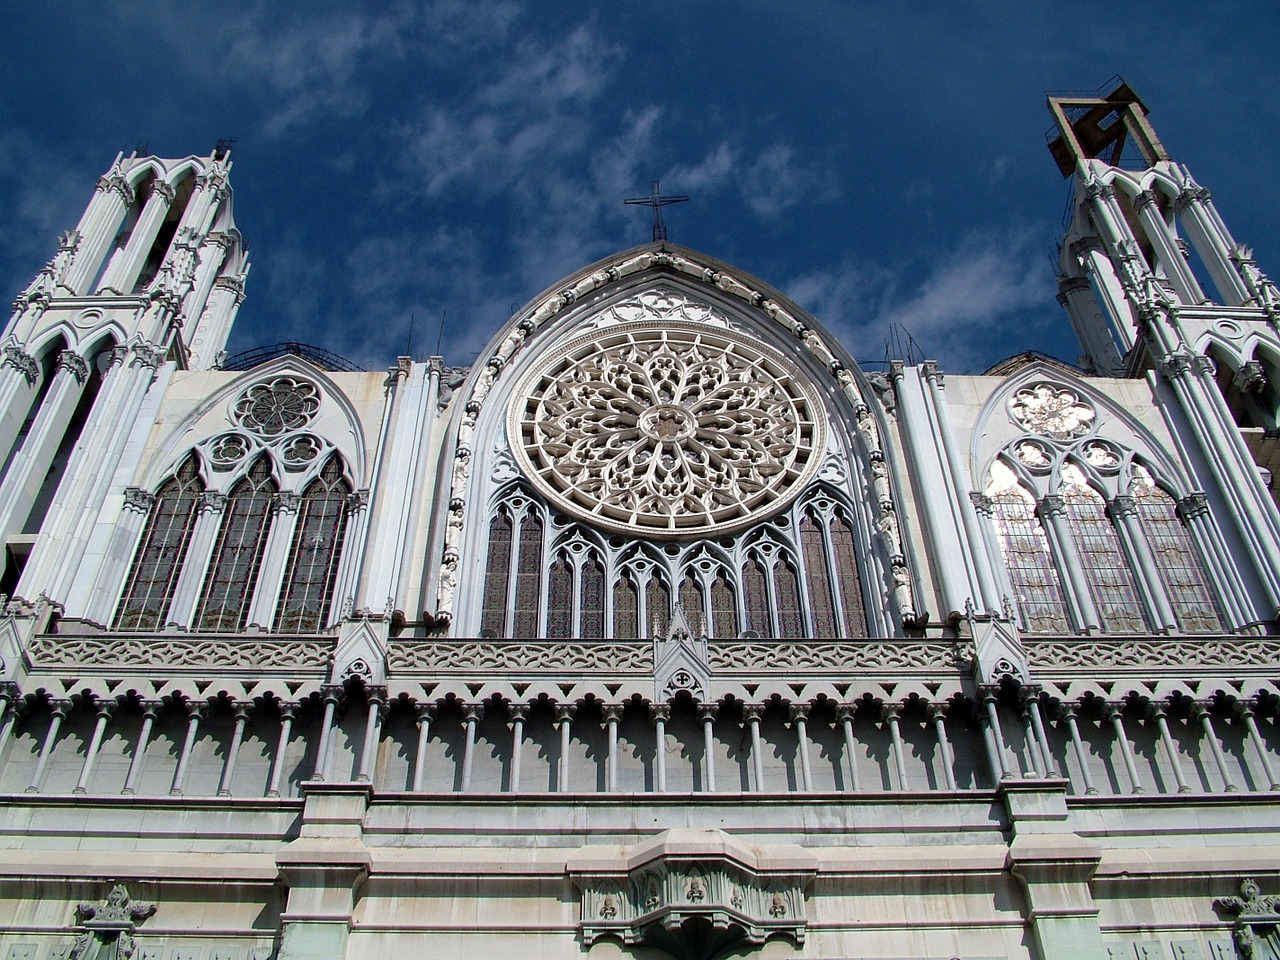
(153, 272)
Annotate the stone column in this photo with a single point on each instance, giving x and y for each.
(938, 715)
(1068, 711)
(122, 273)
(59, 710)
(1114, 713)
(994, 735)
(471, 714)
(19, 374)
(150, 708)
(518, 712)
(1124, 510)
(753, 712)
(195, 714)
(891, 711)
(1156, 711)
(377, 698)
(1031, 703)
(612, 714)
(564, 717)
(282, 748)
(1244, 710)
(105, 708)
(233, 748)
(661, 713)
(424, 712)
(97, 229)
(1053, 509)
(707, 712)
(1202, 712)
(846, 713)
(331, 695)
(10, 698)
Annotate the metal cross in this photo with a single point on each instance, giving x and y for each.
(656, 200)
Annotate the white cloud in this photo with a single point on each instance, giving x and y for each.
(778, 179)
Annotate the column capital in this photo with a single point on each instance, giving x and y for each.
(890, 711)
(613, 712)
(23, 362)
(211, 501)
(138, 500)
(708, 711)
(798, 712)
(935, 710)
(287, 710)
(1202, 708)
(473, 711)
(163, 190)
(1113, 709)
(286, 503)
(1175, 365)
(1052, 506)
(1195, 504)
(752, 712)
(60, 706)
(982, 503)
(105, 708)
(846, 711)
(989, 692)
(241, 709)
(1068, 710)
(660, 711)
(1123, 505)
(331, 693)
(424, 711)
(518, 711)
(75, 364)
(565, 712)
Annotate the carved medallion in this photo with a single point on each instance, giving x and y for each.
(1051, 411)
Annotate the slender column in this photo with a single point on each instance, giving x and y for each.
(1032, 702)
(1113, 712)
(150, 708)
(891, 711)
(1054, 511)
(59, 710)
(612, 714)
(1068, 712)
(1245, 712)
(661, 713)
(424, 713)
(122, 272)
(845, 713)
(518, 713)
(331, 694)
(233, 749)
(995, 736)
(564, 716)
(1202, 710)
(282, 746)
(753, 712)
(708, 711)
(195, 714)
(97, 228)
(377, 697)
(800, 720)
(105, 709)
(471, 718)
(938, 714)
(9, 705)
(1156, 711)
(1033, 745)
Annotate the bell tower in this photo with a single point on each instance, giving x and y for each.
(150, 279)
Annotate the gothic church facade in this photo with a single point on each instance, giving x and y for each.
(663, 630)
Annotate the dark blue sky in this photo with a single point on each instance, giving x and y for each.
(881, 163)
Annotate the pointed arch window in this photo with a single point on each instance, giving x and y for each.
(592, 597)
(237, 554)
(1025, 549)
(1102, 559)
(159, 555)
(1178, 565)
(724, 612)
(311, 574)
(560, 600)
(626, 608)
(813, 549)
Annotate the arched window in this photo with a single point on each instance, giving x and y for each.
(158, 558)
(560, 600)
(1025, 549)
(1179, 567)
(626, 608)
(237, 554)
(813, 548)
(592, 597)
(312, 571)
(1102, 559)
(497, 576)
(724, 612)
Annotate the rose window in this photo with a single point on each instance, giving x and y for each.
(682, 430)
(1051, 412)
(270, 409)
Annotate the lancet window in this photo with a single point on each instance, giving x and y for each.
(237, 553)
(158, 558)
(1102, 560)
(1025, 548)
(312, 571)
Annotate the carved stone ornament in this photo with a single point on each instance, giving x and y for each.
(1257, 928)
(694, 900)
(675, 429)
(663, 304)
(270, 409)
(106, 928)
(1051, 411)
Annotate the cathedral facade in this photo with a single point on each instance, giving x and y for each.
(663, 630)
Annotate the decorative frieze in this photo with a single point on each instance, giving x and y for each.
(498, 655)
(1155, 653)
(181, 653)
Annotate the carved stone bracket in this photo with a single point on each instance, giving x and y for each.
(106, 928)
(694, 895)
(1257, 919)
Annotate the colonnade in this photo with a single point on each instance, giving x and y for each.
(267, 748)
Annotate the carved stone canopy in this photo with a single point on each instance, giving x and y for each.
(106, 928)
(693, 894)
(1257, 929)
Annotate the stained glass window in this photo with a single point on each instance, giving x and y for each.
(311, 574)
(657, 604)
(1104, 565)
(592, 598)
(846, 561)
(528, 577)
(237, 554)
(813, 548)
(724, 614)
(154, 571)
(1025, 548)
(560, 601)
(493, 615)
(626, 609)
(691, 600)
(787, 585)
(1179, 566)
(757, 594)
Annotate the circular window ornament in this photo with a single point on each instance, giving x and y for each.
(278, 406)
(681, 430)
(1052, 411)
